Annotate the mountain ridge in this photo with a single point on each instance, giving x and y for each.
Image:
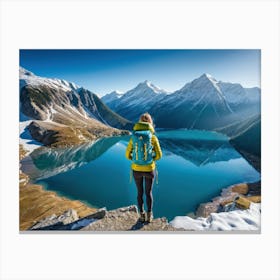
(63, 112)
(203, 103)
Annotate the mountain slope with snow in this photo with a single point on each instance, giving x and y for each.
(110, 97)
(136, 101)
(203, 103)
(65, 111)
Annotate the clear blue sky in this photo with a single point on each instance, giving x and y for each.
(103, 71)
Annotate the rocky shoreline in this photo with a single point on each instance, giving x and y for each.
(236, 196)
(35, 203)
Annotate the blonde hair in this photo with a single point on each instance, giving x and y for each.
(146, 117)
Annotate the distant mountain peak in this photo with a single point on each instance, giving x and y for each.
(149, 85)
(144, 83)
(116, 92)
(208, 77)
(24, 72)
(114, 95)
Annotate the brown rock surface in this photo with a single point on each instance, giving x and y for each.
(254, 198)
(240, 188)
(243, 203)
(126, 219)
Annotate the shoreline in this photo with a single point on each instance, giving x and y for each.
(238, 195)
(36, 203)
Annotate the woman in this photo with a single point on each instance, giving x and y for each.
(144, 149)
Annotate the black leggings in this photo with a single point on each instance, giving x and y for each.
(139, 180)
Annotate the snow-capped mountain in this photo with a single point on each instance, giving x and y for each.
(46, 99)
(58, 105)
(110, 97)
(203, 103)
(27, 77)
(135, 101)
(236, 95)
(206, 103)
(203, 90)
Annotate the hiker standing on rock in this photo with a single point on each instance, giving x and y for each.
(144, 149)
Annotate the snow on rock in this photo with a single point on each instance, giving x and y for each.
(234, 220)
(144, 94)
(25, 139)
(110, 97)
(27, 77)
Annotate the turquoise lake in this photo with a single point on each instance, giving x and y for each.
(195, 166)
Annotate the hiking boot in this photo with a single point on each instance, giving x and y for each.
(149, 216)
(142, 217)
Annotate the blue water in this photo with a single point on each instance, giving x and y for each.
(194, 168)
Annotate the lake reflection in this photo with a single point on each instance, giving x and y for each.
(195, 167)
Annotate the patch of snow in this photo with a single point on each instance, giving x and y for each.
(147, 84)
(53, 111)
(234, 220)
(50, 113)
(110, 97)
(29, 144)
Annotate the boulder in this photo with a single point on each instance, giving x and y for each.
(55, 222)
(68, 217)
(227, 206)
(42, 132)
(240, 188)
(99, 214)
(205, 209)
(242, 203)
(254, 198)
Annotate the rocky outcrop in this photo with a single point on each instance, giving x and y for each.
(44, 132)
(121, 219)
(57, 222)
(56, 134)
(237, 196)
